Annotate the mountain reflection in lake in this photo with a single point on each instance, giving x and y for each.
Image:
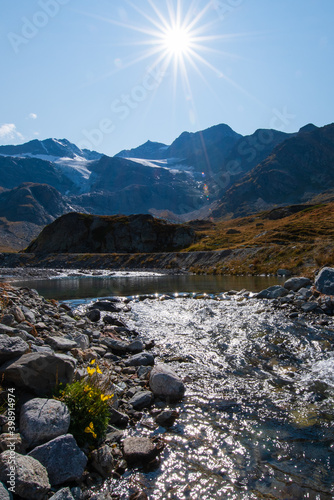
(257, 419)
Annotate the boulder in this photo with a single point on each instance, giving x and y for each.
(11, 347)
(63, 494)
(105, 305)
(324, 281)
(165, 384)
(42, 420)
(139, 450)
(115, 345)
(62, 458)
(296, 284)
(103, 461)
(273, 292)
(31, 478)
(60, 343)
(39, 372)
(141, 359)
(141, 399)
(94, 315)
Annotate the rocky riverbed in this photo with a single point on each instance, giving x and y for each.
(43, 343)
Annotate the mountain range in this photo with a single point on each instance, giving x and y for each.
(212, 173)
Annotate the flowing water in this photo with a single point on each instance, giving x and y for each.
(257, 419)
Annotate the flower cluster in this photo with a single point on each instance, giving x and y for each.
(88, 406)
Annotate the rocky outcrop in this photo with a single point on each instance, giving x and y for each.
(80, 233)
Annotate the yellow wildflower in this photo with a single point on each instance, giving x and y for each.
(93, 361)
(105, 397)
(98, 369)
(90, 370)
(90, 430)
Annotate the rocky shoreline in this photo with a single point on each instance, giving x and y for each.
(43, 342)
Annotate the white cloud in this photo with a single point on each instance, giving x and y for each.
(8, 132)
(33, 116)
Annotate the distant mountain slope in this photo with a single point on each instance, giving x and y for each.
(297, 170)
(150, 150)
(29, 202)
(25, 210)
(14, 171)
(61, 148)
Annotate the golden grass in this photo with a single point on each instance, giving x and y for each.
(302, 242)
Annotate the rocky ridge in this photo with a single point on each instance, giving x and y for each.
(43, 341)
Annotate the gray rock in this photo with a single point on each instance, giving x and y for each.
(39, 372)
(8, 320)
(304, 293)
(11, 347)
(115, 345)
(273, 292)
(309, 306)
(42, 420)
(4, 493)
(165, 384)
(7, 330)
(103, 461)
(63, 494)
(18, 314)
(31, 478)
(82, 341)
(60, 343)
(41, 348)
(139, 450)
(136, 346)
(166, 418)
(141, 359)
(94, 315)
(144, 371)
(142, 399)
(118, 418)
(324, 281)
(62, 458)
(296, 284)
(29, 314)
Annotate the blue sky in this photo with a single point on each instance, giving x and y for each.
(105, 75)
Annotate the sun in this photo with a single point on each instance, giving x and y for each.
(177, 41)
